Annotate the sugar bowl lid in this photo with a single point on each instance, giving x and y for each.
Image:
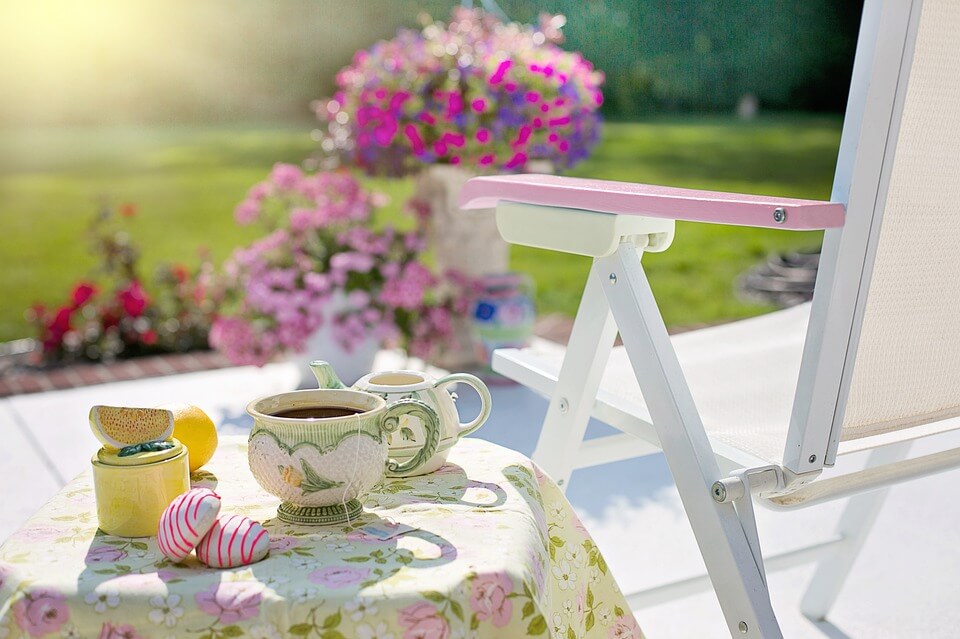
(151, 453)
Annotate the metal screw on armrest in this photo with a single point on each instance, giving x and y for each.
(613, 278)
(812, 458)
(780, 215)
(563, 405)
(719, 491)
(743, 627)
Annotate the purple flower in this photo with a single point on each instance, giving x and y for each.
(352, 261)
(231, 601)
(522, 96)
(102, 554)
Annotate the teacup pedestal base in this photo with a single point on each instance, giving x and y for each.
(320, 515)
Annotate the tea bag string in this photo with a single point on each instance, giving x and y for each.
(353, 479)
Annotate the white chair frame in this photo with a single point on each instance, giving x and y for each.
(617, 295)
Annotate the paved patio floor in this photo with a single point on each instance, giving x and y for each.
(905, 584)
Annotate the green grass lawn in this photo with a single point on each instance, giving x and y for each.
(186, 182)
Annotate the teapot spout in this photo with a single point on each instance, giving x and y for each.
(326, 377)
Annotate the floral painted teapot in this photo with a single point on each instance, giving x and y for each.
(402, 384)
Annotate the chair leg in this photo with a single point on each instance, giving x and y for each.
(737, 580)
(591, 341)
(855, 524)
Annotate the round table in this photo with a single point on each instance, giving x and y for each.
(485, 547)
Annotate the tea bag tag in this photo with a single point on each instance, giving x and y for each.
(387, 530)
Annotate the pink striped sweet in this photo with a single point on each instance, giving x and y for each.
(185, 522)
(234, 540)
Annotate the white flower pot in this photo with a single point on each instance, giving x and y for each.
(465, 241)
(350, 365)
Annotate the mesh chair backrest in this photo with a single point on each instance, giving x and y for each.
(907, 366)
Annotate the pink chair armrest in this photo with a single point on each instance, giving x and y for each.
(624, 198)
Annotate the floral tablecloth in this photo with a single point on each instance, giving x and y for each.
(496, 552)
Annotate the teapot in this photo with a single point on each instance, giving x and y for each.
(409, 438)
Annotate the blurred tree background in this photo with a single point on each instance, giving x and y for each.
(233, 61)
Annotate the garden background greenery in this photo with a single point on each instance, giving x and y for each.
(178, 107)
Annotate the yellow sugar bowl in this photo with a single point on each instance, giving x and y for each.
(133, 491)
(134, 482)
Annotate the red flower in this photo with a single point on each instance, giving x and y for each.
(128, 210)
(110, 319)
(82, 293)
(134, 299)
(149, 337)
(180, 273)
(56, 329)
(61, 321)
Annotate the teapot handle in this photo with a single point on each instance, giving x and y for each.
(431, 428)
(486, 401)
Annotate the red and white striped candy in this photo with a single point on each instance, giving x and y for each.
(234, 540)
(185, 521)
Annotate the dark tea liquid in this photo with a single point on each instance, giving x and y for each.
(317, 412)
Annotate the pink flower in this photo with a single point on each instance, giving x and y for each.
(352, 261)
(40, 533)
(339, 576)
(489, 598)
(231, 601)
(625, 627)
(317, 282)
(407, 290)
(5, 571)
(286, 176)
(236, 339)
(118, 631)
(422, 621)
(102, 554)
(358, 299)
(40, 612)
(304, 219)
(258, 192)
(246, 212)
(576, 523)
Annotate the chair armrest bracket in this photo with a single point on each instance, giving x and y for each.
(579, 231)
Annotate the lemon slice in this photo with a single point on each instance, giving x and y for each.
(121, 426)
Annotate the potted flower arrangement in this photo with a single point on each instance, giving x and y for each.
(116, 312)
(454, 99)
(323, 282)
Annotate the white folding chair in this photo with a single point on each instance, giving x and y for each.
(758, 408)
